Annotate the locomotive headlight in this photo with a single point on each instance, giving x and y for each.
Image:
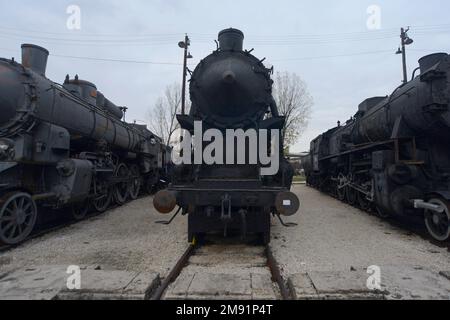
(152, 141)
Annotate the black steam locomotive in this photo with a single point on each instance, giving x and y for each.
(65, 146)
(393, 156)
(231, 89)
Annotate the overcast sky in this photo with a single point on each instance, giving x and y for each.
(327, 43)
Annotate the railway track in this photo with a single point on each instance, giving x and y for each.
(224, 271)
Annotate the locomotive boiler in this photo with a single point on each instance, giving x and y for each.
(231, 90)
(65, 146)
(393, 156)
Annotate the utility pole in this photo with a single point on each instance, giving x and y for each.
(184, 45)
(405, 41)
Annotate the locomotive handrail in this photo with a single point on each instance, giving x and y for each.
(364, 147)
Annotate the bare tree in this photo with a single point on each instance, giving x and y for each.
(162, 117)
(294, 102)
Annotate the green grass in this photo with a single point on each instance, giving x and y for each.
(299, 179)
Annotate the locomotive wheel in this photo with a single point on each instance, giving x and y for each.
(17, 217)
(103, 198)
(340, 187)
(102, 203)
(80, 209)
(341, 194)
(136, 182)
(364, 204)
(382, 213)
(352, 196)
(122, 189)
(438, 224)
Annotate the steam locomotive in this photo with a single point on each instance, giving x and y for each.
(65, 147)
(393, 156)
(230, 90)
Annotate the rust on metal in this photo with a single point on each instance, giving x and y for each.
(174, 273)
(165, 201)
(276, 275)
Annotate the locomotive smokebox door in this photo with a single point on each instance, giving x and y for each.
(287, 203)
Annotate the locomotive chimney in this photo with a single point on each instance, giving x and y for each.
(231, 40)
(35, 58)
(429, 61)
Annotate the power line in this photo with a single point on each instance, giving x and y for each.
(179, 64)
(104, 59)
(116, 60)
(165, 39)
(167, 42)
(334, 56)
(70, 33)
(88, 42)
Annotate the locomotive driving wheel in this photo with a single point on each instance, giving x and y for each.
(438, 223)
(103, 196)
(340, 189)
(122, 188)
(18, 215)
(381, 212)
(341, 194)
(136, 182)
(80, 209)
(364, 204)
(352, 196)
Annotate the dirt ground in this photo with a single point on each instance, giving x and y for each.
(330, 237)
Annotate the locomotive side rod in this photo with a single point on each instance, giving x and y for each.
(182, 262)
